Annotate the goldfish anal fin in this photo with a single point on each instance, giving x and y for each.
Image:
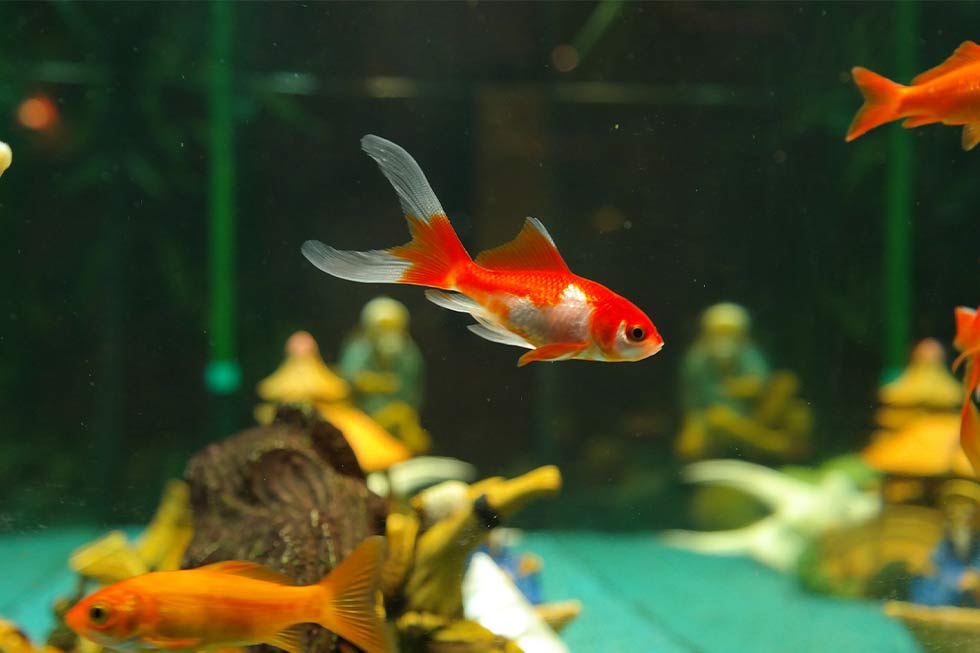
(554, 352)
(290, 639)
(354, 610)
(172, 643)
(249, 570)
(532, 249)
(971, 136)
(495, 332)
(967, 54)
(918, 121)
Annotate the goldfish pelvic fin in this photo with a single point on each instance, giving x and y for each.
(532, 249)
(882, 100)
(398, 166)
(554, 352)
(968, 53)
(172, 643)
(970, 433)
(971, 136)
(354, 610)
(918, 121)
(489, 330)
(250, 570)
(290, 639)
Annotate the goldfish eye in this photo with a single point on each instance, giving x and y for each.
(98, 615)
(636, 333)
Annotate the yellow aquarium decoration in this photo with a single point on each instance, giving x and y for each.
(112, 558)
(6, 157)
(304, 378)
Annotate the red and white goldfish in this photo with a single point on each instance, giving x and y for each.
(947, 94)
(237, 604)
(521, 293)
(968, 343)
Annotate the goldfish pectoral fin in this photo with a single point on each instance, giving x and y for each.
(249, 570)
(173, 643)
(918, 121)
(355, 611)
(290, 639)
(966, 54)
(971, 136)
(554, 352)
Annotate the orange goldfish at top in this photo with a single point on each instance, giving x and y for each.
(947, 94)
(237, 604)
(521, 293)
(968, 343)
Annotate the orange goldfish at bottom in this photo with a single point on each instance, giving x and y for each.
(947, 94)
(237, 604)
(968, 342)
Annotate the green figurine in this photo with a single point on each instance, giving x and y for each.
(734, 405)
(385, 368)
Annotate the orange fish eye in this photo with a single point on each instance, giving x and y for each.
(636, 333)
(98, 614)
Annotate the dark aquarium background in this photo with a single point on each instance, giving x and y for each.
(176, 155)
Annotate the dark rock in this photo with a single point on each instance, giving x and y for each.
(290, 496)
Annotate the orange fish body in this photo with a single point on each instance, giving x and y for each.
(237, 604)
(947, 94)
(521, 293)
(968, 342)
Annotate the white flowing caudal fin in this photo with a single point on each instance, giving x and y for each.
(434, 251)
(414, 192)
(375, 266)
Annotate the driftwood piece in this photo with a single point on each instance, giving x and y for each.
(288, 495)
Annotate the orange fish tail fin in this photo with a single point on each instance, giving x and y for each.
(882, 102)
(354, 609)
(970, 433)
(433, 255)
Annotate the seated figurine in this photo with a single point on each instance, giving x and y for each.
(954, 577)
(385, 370)
(733, 404)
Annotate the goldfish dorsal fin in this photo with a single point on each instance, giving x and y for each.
(249, 570)
(968, 53)
(290, 639)
(532, 249)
